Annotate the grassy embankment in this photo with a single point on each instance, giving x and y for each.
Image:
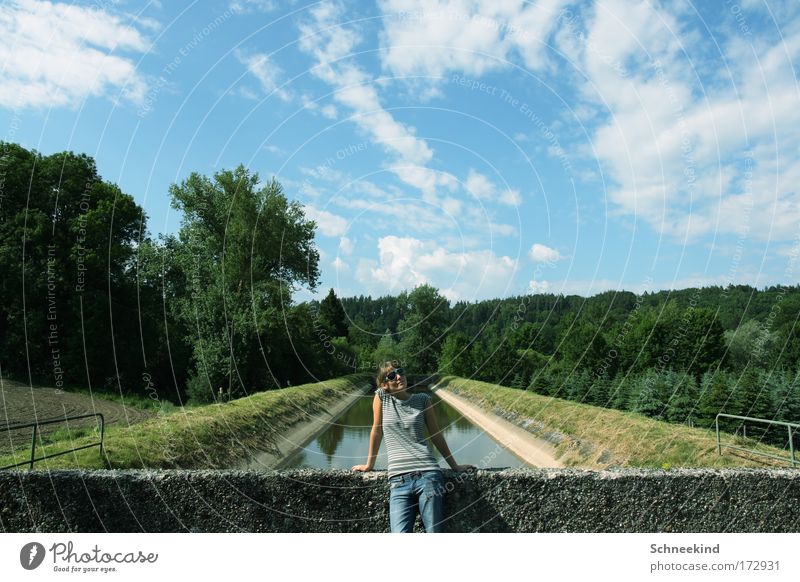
(592, 437)
(211, 436)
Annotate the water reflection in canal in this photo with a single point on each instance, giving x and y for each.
(346, 442)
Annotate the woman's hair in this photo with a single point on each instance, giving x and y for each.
(384, 369)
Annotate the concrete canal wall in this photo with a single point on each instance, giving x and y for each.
(300, 434)
(546, 500)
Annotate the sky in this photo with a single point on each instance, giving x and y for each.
(486, 147)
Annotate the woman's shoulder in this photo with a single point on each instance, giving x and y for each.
(424, 398)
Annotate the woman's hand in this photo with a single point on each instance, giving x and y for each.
(362, 468)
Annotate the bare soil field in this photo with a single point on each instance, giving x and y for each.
(19, 403)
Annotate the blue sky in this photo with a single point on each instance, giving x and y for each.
(488, 148)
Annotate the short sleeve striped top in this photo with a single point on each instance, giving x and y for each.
(404, 432)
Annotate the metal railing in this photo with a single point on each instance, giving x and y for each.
(789, 425)
(36, 426)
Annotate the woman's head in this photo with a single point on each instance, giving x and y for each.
(392, 376)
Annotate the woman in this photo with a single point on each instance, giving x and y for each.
(415, 478)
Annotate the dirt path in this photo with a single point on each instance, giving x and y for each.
(533, 451)
(19, 403)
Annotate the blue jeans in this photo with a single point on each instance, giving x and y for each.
(424, 489)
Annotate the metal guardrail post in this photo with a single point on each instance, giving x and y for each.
(793, 460)
(36, 426)
(33, 446)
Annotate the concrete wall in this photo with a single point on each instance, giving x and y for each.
(548, 500)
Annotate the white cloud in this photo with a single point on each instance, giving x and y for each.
(405, 262)
(58, 54)
(266, 72)
(483, 189)
(539, 286)
(328, 224)
(435, 37)
(252, 6)
(329, 112)
(686, 157)
(540, 253)
(346, 245)
(331, 44)
(339, 265)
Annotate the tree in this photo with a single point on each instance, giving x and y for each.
(651, 394)
(387, 350)
(243, 248)
(70, 309)
(332, 316)
(716, 396)
(751, 343)
(455, 358)
(422, 330)
(682, 404)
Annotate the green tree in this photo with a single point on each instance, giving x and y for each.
(332, 316)
(70, 310)
(423, 329)
(387, 350)
(683, 402)
(455, 358)
(243, 248)
(716, 396)
(651, 392)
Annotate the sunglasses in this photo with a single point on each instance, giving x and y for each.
(395, 374)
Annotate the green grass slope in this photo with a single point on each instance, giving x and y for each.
(592, 437)
(212, 436)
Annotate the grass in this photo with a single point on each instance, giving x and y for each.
(592, 437)
(132, 400)
(211, 436)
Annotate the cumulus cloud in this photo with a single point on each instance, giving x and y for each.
(406, 262)
(58, 54)
(540, 253)
(435, 37)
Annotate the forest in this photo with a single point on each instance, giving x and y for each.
(90, 298)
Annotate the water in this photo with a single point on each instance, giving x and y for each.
(346, 443)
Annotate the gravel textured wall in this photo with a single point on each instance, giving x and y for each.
(339, 501)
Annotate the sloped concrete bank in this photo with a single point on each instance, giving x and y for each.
(300, 434)
(534, 451)
(542, 500)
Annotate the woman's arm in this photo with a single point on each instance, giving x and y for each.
(375, 436)
(438, 439)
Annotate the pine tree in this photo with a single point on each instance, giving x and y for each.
(682, 405)
(621, 392)
(649, 399)
(716, 396)
(332, 317)
(387, 350)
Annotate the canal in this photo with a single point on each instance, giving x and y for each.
(346, 442)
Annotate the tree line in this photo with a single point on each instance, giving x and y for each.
(679, 356)
(91, 299)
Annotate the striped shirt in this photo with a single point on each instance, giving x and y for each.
(403, 424)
